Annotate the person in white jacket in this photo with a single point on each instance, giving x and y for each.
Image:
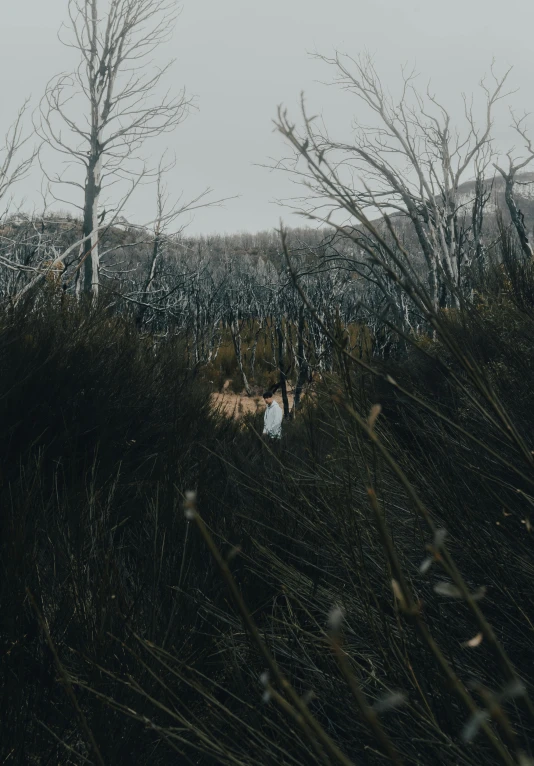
(272, 422)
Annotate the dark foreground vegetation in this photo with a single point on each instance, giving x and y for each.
(121, 641)
(173, 588)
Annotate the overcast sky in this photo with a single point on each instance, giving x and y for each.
(241, 58)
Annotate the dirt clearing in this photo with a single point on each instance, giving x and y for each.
(237, 405)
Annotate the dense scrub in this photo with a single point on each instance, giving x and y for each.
(102, 433)
(98, 441)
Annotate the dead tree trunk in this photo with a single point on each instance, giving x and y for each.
(235, 331)
(89, 250)
(156, 252)
(518, 219)
(283, 376)
(113, 40)
(254, 348)
(302, 362)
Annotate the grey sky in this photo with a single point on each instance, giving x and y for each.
(243, 57)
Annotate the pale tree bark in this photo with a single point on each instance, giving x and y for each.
(13, 168)
(518, 219)
(409, 160)
(510, 178)
(157, 244)
(43, 273)
(283, 374)
(90, 225)
(100, 115)
(235, 330)
(254, 346)
(302, 362)
(166, 229)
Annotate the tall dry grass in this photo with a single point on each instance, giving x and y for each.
(359, 594)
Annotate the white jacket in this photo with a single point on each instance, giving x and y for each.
(272, 422)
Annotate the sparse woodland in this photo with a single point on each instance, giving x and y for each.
(176, 589)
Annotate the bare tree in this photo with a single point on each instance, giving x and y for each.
(147, 289)
(300, 359)
(100, 115)
(13, 168)
(407, 161)
(510, 179)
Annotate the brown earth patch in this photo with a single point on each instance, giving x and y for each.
(234, 405)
